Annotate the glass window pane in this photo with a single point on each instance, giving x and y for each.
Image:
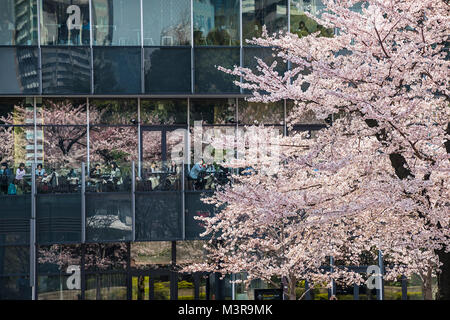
(159, 111)
(213, 111)
(301, 24)
(19, 70)
(108, 217)
(210, 80)
(109, 111)
(66, 70)
(106, 287)
(15, 288)
(113, 144)
(14, 260)
(151, 255)
(261, 113)
(106, 257)
(216, 22)
(257, 13)
(195, 207)
(58, 218)
(57, 288)
(190, 252)
(60, 111)
(57, 258)
(65, 22)
(18, 22)
(266, 55)
(116, 22)
(167, 22)
(16, 111)
(167, 70)
(158, 216)
(117, 70)
(15, 219)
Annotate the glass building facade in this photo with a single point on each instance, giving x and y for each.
(97, 98)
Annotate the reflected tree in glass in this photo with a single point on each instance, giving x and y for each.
(301, 24)
(259, 13)
(216, 22)
(167, 22)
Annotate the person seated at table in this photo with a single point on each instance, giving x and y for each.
(197, 173)
(5, 177)
(174, 168)
(40, 172)
(115, 174)
(95, 176)
(20, 173)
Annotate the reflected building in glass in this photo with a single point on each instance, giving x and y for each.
(99, 100)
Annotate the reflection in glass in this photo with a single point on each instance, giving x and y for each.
(108, 217)
(146, 255)
(159, 111)
(257, 13)
(18, 22)
(167, 70)
(208, 79)
(213, 111)
(158, 216)
(216, 22)
(65, 22)
(14, 260)
(117, 70)
(116, 22)
(261, 113)
(106, 256)
(113, 111)
(190, 252)
(15, 288)
(251, 54)
(301, 24)
(186, 287)
(66, 70)
(20, 72)
(167, 22)
(106, 287)
(57, 288)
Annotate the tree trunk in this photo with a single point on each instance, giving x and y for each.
(444, 277)
(426, 286)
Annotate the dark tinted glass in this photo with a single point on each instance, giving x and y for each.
(58, 218)
(301, 24)
(108, 217)
(15, 288)
(158, 216)
(196, 208)
(167, 70)
(15, 219)
(116, 22)
(18, 22)
(216, 22)
(66, 70)
(251, 54)
(117, 70)
(261, 113)
(210, 80)
(164, 111)
(257, 13)
(65, 22)
(19, 72)
(167, 22)
(14, 260)
(213, 111)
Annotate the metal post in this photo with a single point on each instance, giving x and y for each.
(142, 49)
(192, 47)
(91, 41)
(241, 49)
(39, 44)
(380, 292)
(139, 139)
(33, 233)
(83, 202)
(332, 290)
(183, 205)
(88, 137)
(133, 200)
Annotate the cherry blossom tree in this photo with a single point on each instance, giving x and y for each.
(376, 179)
